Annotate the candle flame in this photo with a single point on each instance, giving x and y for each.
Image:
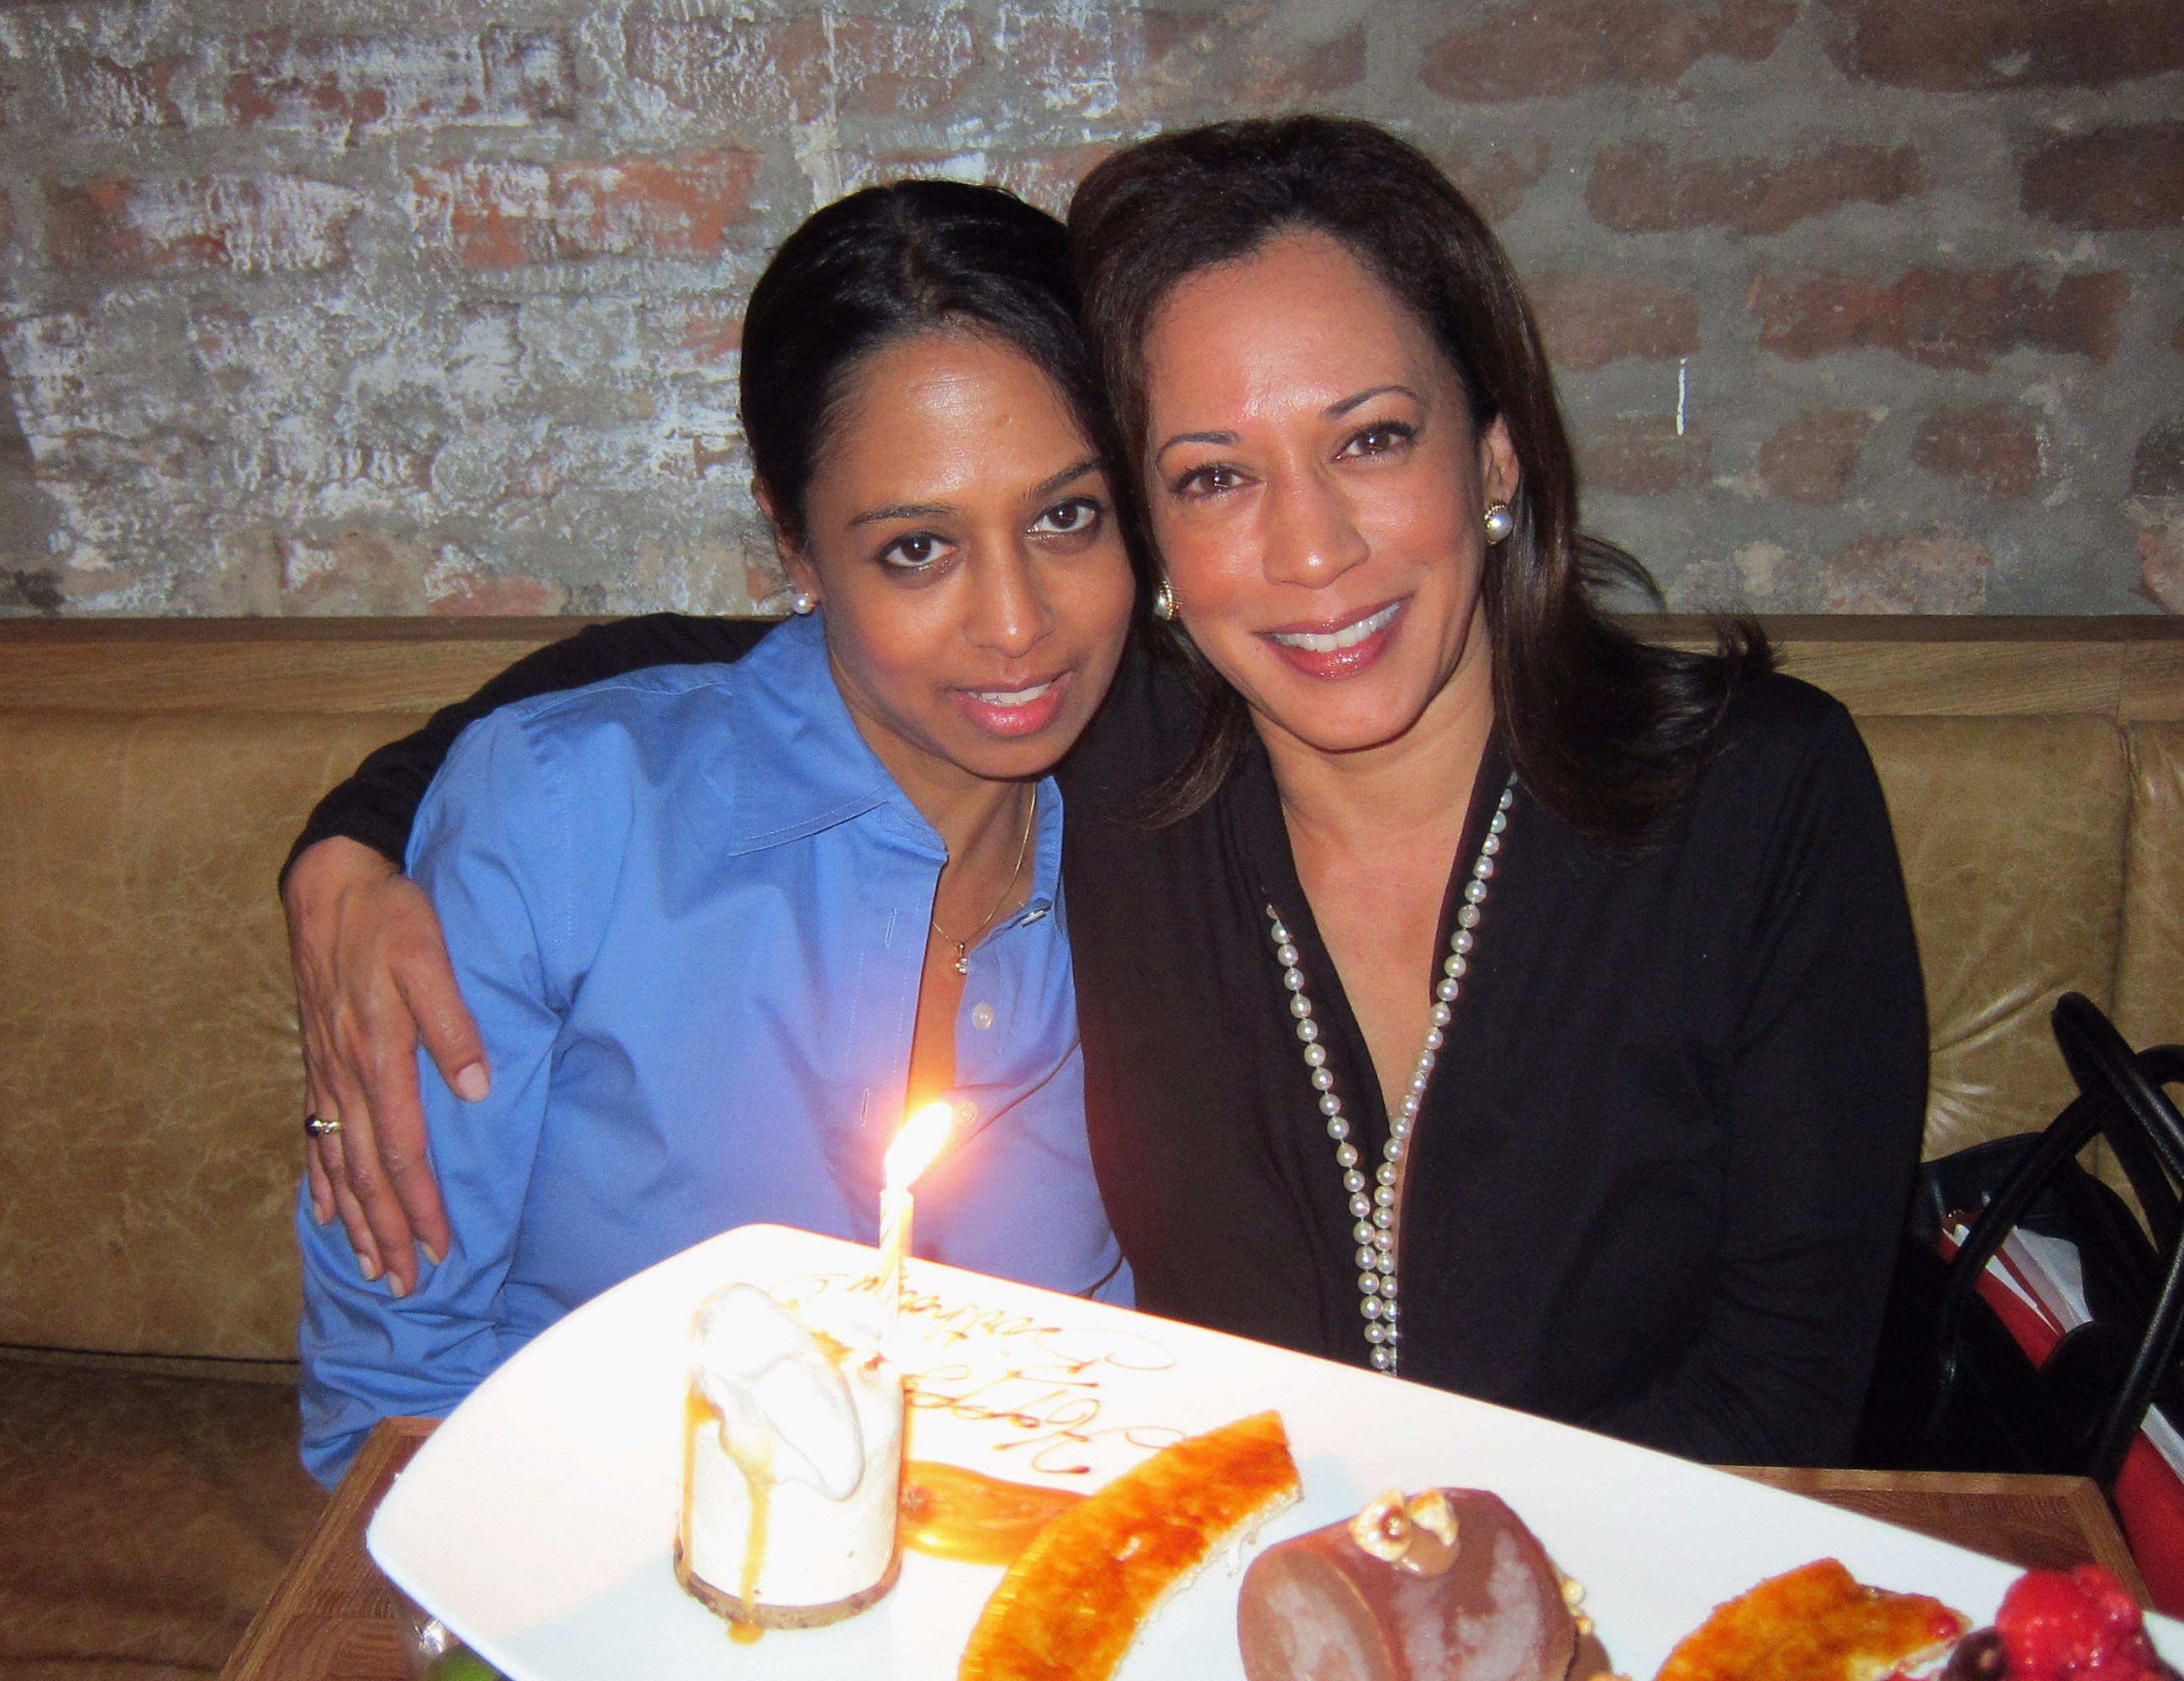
(920, 1140)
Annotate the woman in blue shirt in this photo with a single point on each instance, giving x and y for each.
(721, 925)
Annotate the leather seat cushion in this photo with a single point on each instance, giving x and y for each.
(2150, 972)
(150, 1082)
(2012, 834)
(144, 1519)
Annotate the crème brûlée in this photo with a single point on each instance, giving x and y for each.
(1070, 1605)
(792, 1469)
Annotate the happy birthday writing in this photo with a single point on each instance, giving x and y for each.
(1022, 1373)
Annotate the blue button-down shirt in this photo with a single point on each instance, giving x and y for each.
(687, 908)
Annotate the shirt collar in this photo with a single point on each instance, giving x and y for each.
(797, 764)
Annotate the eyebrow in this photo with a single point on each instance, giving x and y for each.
(1068, 474)
(1045, 487)
(1333, 411)
(1195, 437)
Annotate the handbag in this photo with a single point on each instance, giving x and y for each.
(1967, 1378)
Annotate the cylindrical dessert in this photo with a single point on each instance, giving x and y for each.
(793, 1469)
(1446, 1586)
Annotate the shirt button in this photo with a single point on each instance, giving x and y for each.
(981, 1016)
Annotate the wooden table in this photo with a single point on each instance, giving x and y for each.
(334, 1617)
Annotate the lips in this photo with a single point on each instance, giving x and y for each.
(1339, 651)
(1023, 710)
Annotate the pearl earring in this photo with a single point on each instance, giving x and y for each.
(1499, 521)
(1164, 601)
(802, 602)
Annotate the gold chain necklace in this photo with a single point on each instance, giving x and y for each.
(1023, 850)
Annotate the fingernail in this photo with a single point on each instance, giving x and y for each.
(369, 1268)
(319, 1216)
(431, 1254)
(472, 1083)
(397, 1286)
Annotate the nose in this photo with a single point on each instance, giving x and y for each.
(1311, 536)
(1010, 613)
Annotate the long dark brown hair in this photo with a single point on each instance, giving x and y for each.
(1608, 731)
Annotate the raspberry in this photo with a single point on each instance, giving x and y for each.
(2078, 1625)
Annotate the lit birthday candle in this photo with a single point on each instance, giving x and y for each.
(921, 1140)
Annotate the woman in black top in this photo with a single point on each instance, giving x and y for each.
(1654, 1125)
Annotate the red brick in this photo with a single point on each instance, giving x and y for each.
(887, 68)
(1938, 571)
(1642, 455)
(251, 224)
(1942, 318)
(348, 84)
(1076, 61)
(1561, 47)
(716, 67)
(2122, 177)
(2157, 467)
(713, 333)
(1495, 178)
(1986, 449)
(1215, 57)
(1640, 188)
(1964, 46)
(767, 586)
(456, 592)
(499, 216)
(355, 572)
(99, 92)
(1811, 455)
(1592, 320)
(1047, 179)
(804, 68)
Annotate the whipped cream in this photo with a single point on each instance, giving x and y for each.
(780, 1398)
(794, 1462)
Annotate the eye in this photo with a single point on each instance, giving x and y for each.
(913, 551)
(1075, 517)
(1381, 437)
(1210, 480)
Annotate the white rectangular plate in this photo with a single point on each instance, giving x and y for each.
(538, 1522)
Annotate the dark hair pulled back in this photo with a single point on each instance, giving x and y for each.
(1608, 731)
(889, 263)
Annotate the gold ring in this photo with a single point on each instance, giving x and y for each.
(313, 1127)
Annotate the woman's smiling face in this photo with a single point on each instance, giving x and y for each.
(959, 532)
(1316, 489)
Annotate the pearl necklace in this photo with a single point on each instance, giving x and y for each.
(1375, 1232)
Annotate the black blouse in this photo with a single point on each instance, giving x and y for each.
(1655, 1183)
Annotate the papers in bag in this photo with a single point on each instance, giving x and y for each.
(2036, 1287)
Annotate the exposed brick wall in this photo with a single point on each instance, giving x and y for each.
(398, 306)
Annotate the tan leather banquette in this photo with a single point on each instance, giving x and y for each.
(152, 773)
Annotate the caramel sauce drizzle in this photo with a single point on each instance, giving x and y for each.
(952, 1512)
(1038, 1381)
(698, 1414)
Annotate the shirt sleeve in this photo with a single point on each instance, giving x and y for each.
(377, 803)
(494, 845)
(1823, 1114)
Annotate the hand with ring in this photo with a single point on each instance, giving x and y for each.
(372, 982)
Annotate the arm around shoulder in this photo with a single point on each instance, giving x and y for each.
(491, 854)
